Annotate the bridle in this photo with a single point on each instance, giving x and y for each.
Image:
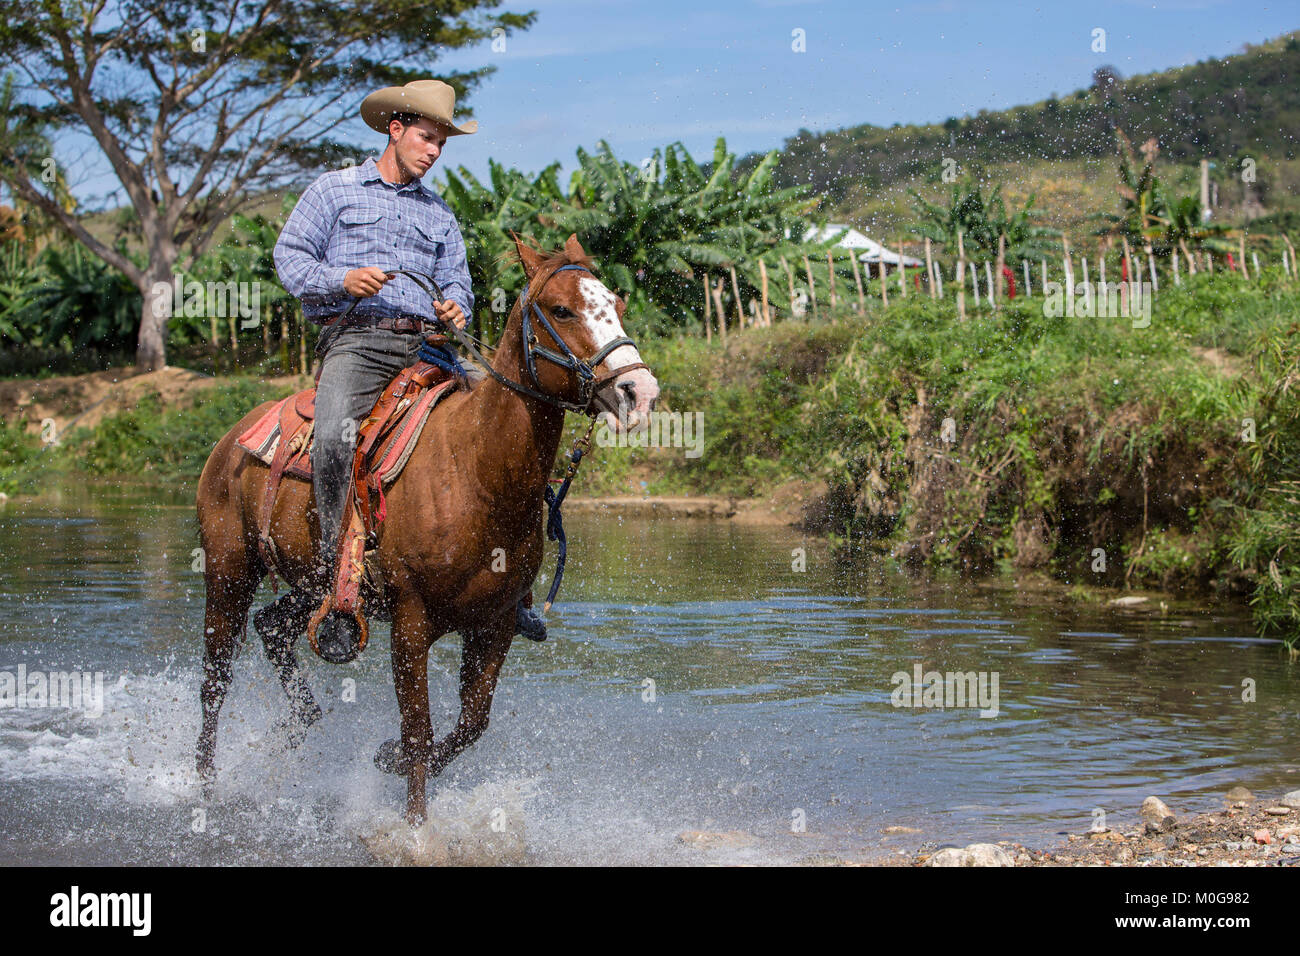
(585, 369)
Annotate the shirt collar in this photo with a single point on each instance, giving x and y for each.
(370, 172)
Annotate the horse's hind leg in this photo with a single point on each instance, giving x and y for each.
(231, 582)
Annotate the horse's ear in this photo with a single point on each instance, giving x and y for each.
(528, 256)
(573, 249)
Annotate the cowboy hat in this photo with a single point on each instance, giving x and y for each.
(432, 99)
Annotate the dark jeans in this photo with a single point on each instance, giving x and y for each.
(360, 362)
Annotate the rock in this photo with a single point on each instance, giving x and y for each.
(1291, 800)
(711, 840)
(977, 854)
(1110, 835)
(1155, 812)
(1262, 836)
(1285, 833)
(1171, 841)
(900, 830)
(1291, 849)
(1125, 854)
(1237, 794)
(1277, 811)
(1129, 601)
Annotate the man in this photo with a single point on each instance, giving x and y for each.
(349, 230)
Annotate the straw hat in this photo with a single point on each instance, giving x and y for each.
(432, 99)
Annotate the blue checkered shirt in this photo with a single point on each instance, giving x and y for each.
(352, 218)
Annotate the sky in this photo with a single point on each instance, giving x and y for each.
(641, 75)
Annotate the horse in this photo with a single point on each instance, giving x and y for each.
(462, 541)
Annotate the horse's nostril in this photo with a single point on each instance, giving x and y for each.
(629, 389)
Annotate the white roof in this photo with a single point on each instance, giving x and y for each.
(852, 239)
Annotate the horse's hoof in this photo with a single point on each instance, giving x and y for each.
(339, 638)
(286, 617)
(529, 623)
(390, 759)
(299, 722)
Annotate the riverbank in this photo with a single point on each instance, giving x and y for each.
(1105, 452)
(1250, 830)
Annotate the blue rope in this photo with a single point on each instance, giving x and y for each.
(442, 357)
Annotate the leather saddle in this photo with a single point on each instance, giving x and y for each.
(383, 439)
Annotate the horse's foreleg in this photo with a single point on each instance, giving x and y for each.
(483, 654)
(230, 588)
(412, 635)
(278, 639)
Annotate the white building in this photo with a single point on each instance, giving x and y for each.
(873, 252)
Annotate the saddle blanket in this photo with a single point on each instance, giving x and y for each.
(262, 440)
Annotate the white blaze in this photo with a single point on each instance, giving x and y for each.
(602, 321)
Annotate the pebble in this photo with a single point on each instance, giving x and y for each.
(1278, 811)
(977, 854)
(1155, 813)
(1291, 848)
(1291, 800)
(900, 830)
(1239, 793)
(1262, 836)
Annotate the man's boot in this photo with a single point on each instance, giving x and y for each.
(338, 637)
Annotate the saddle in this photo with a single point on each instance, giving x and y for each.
(385, 439)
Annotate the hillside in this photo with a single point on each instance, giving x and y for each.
(1219, 109)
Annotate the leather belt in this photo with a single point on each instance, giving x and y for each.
(392, 323)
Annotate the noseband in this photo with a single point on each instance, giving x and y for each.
(584, 369)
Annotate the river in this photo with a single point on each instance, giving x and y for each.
(696, 680)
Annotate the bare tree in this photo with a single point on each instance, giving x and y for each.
(199, 106)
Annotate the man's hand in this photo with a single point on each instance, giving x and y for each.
(364, 283)
(449, 311)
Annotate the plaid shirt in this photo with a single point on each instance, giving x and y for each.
(352, 218)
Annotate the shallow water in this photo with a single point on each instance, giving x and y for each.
(771, 712)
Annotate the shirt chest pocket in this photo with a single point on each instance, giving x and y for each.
(427, 239)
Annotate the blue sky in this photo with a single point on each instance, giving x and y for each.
(642, 75)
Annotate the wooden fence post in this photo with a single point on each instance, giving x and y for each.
(961, 278)
(735, 290)
(857, 280)
(902, 272)
(830, 278)
(929, 267)
(812, 287)
(721, 312)
(762, 275)
(708, 310)
(884, 293)
(1029, 289)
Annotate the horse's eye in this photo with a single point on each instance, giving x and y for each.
(562, 313)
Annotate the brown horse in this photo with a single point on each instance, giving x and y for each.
(462, 542)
